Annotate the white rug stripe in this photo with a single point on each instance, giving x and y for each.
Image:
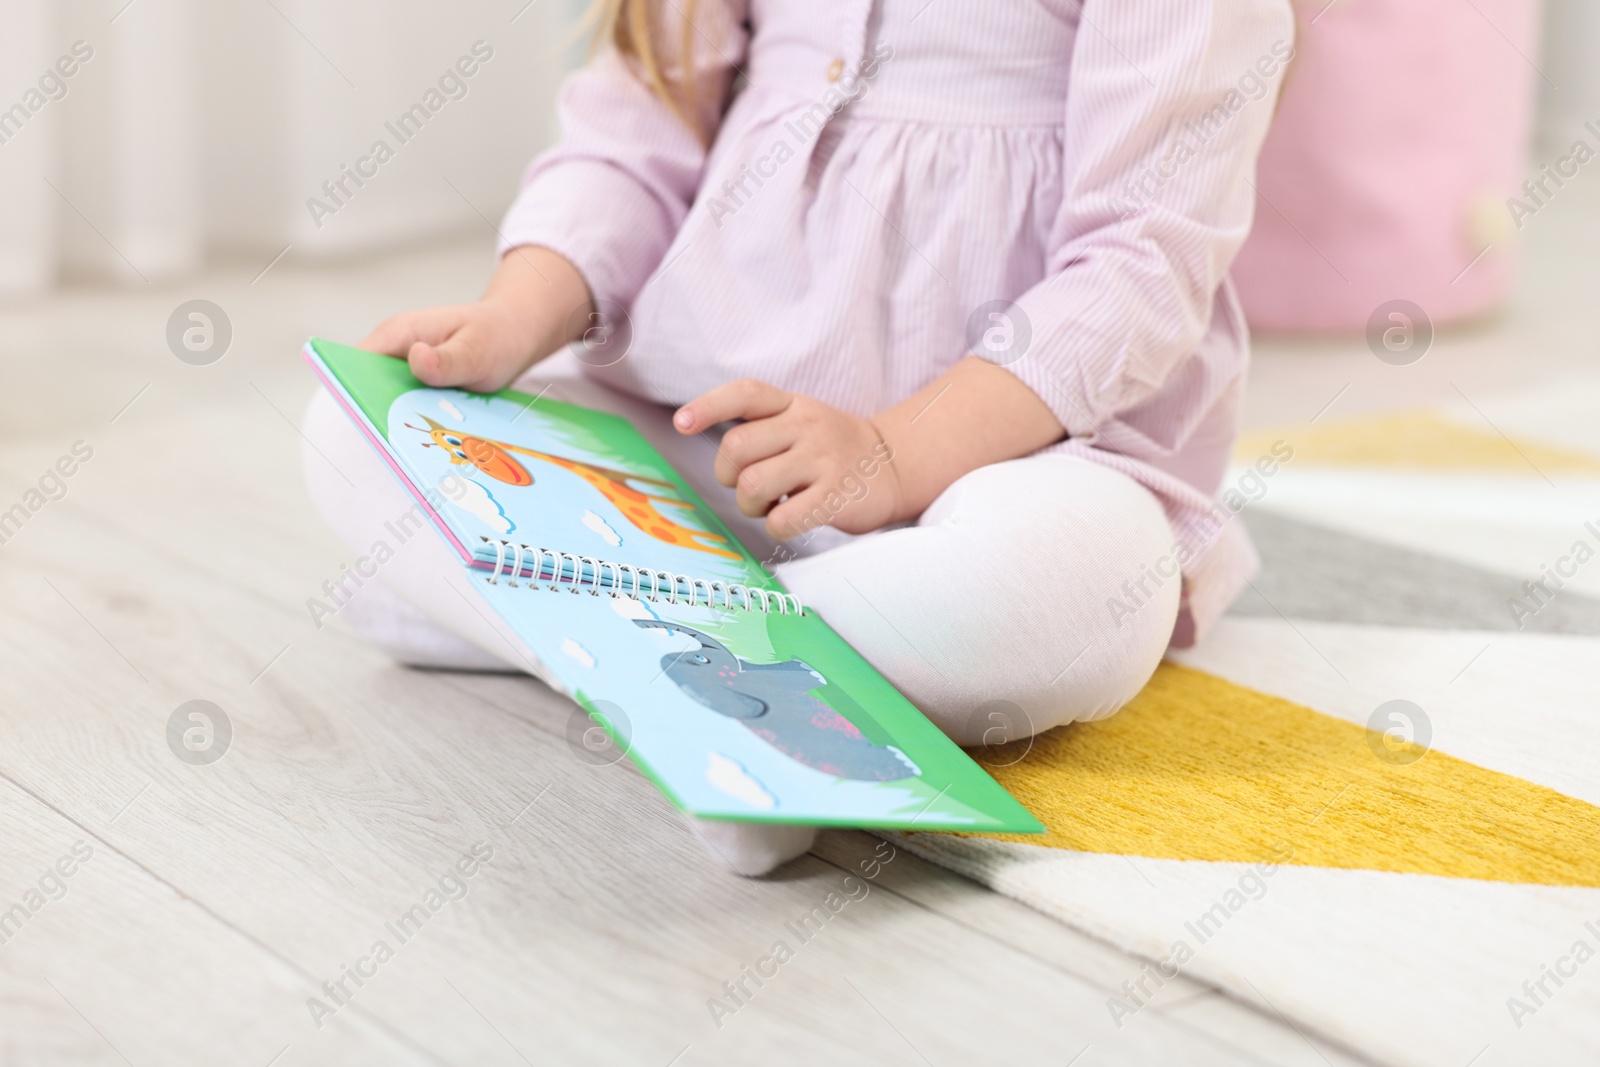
(1561, 415)
(1405, 969)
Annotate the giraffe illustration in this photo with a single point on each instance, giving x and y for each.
(495, 459)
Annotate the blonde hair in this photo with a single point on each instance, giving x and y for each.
(638, 29)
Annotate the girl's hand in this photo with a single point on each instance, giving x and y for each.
(858, 474)
(798, 461)
(536, 302)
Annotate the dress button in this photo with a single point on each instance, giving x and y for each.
(835, 69)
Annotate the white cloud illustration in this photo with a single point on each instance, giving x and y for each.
(630, 608)
(450, 409)
(729, 776)
(477, 501)
(577, 652)
(603, 528)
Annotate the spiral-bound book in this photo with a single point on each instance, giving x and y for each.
(631, 596)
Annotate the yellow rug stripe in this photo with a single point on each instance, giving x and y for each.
(1414, 439)
(1197, 768)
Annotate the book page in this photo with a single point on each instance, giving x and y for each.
(753, 716)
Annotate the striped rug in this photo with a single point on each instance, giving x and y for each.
(1369, 802)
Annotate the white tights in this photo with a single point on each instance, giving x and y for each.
(989, 613)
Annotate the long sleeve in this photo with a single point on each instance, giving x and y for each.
(1168, 106)
(613, 191)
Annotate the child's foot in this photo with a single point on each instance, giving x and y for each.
(753, 849)
(382, 618)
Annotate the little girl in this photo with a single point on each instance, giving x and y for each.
(982, 246)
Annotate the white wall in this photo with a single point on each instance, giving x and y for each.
(199, 128)
(1571, 63)
(28, 157)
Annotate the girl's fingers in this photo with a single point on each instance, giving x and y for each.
(746, 398)
(761, 485)
(396, 335)
(794, 516)
(391, 337)
(460, 360)
(749, 443)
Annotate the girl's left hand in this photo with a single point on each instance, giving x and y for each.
(798, 461)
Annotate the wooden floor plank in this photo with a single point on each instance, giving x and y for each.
(108, 965)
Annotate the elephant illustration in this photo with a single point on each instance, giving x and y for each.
(774, 702)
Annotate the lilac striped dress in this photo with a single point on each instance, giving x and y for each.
(891, 185)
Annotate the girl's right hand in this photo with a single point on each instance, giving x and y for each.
(535, 303)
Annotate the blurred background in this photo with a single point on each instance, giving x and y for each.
(196, 132)
(211, 151)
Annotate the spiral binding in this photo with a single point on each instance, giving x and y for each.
(577, 572)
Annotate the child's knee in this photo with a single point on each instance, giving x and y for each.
(1025, 690)
(1034, 595)
(1109, 595)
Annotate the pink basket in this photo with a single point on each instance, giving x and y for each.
(1402, 131)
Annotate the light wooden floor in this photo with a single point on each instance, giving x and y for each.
(219, 898)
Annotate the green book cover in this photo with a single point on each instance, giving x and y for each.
(635, 599)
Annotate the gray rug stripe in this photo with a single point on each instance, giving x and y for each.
(1312, 572)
